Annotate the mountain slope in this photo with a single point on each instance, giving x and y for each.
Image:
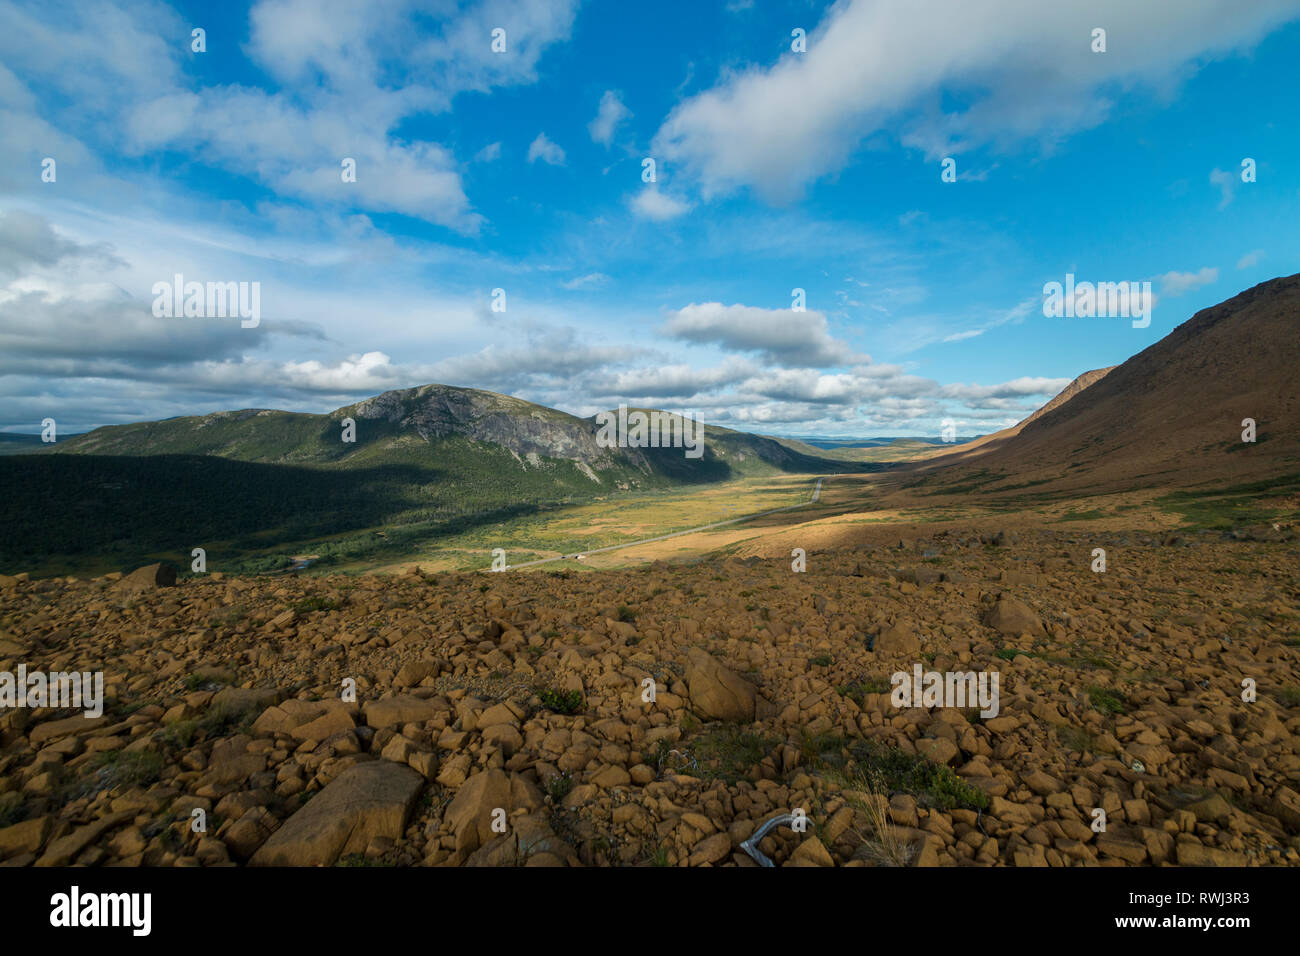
(414, 426)
(987, 443)
(1171, 416)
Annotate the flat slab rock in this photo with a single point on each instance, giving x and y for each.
(371, 799)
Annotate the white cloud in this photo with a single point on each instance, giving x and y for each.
(489, 153)
(1250, 259)
(1024, 67)
(1177, 283)
(1016, 388)
(119, 67)
(588, 281)
(1227, 183)
(542, 148)
(781, 336)
(650, 203)
(675, 381)
(609, 114)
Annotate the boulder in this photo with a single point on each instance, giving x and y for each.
(368, 800)
(398, 710)
(718, 693)
(1009, 616)
(899, 639)
(148, 578)
(471, 811)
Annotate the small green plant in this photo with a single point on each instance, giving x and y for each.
(195, 682)
(314, 603)
(558, 787)
(626, 614)
(821, 660)
(221, 720)
(1106, 701)
(561, 701)
(858, 690)
(659, 857)
(933, 785)
(728, 753)
(1288, 696)
(179, 734)
(824, 749)
(1076, 738)
(127, 768)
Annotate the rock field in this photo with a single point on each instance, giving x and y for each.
(501, 719)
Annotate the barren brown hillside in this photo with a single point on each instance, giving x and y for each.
(1171, 416)
(986, 443)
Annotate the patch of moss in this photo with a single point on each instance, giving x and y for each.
(1107, 701)
(728, 753)
(561, 701)
(891, 770)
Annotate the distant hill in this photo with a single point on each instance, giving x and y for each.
(11, 444)
(1169, 417)
(466, 429)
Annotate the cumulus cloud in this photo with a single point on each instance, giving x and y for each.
(1024, 68)
(1016, 388)
(1250, 259)
(652, 204)
(545, 150)
(120, 66)
(672, 381)
(1177, 283)
(781, 336)
(550, 356)
(609, 114)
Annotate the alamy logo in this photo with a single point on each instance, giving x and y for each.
(57, 689)
(949, 689)
(1101, 299)
(74, 908)
(650, 430)
(211, 300)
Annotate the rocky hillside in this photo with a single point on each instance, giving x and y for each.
(504, 719)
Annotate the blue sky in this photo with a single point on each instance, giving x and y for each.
(522, 171)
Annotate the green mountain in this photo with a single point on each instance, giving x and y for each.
(259, 484)
(442, 426)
